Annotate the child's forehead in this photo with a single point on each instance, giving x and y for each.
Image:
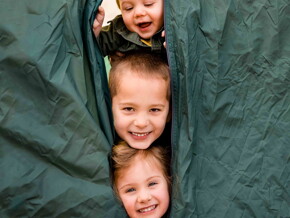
(129, 80)
(124, 73)
(140, 169)
(119, 2)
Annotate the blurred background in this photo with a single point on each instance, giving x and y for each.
(111, 10)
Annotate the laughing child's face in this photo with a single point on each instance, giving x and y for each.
(143, 188)
(140, 108)
(144, 17)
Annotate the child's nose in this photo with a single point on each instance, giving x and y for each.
(139, 11)
(144, 196)
(141, 121)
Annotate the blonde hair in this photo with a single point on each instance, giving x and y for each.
(123, 157)
(144, 64)
(118, 3)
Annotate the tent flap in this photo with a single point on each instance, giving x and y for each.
(55, 121)
(230, 64)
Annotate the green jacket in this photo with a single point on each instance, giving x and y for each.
(116, 37)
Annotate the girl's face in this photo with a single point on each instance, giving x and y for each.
(143, 189)
(144, 17)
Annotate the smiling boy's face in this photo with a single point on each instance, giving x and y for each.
(144, 17)
(143, 189)
(140, 108)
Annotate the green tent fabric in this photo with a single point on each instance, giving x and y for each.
(55, 121)
(230, 66)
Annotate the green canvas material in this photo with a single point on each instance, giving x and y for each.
(55, 122)
(230, 64)
(230, 68)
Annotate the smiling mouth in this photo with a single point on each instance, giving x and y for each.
(144, 25)
(147, 209)
(140, 134)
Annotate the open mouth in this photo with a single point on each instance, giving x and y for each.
(140, 134)
(147, 209)
(144, 25)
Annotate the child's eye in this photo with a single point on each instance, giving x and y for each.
(153, 183)
(155, 109)
(148, 4)
(128, 109)
(128, 8)
(130, 190)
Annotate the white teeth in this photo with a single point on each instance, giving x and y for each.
(139, 134)
(147, 209)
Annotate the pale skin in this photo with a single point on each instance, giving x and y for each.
(98, 22)
(133, 12)
(143, 189)
(140, 109)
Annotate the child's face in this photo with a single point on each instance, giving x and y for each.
(145, 17)
(140, 109)
(143, 189)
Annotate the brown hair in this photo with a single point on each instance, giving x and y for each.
(118, 3)
(123, 156)
(144, 64)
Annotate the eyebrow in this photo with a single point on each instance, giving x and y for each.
(153, 177)
(158, 105)
(127, 185)
(124, 1)
(126, 103)
(133, 184)
(133, 104)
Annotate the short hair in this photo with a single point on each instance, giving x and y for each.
(123, 155)
(144, 64)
